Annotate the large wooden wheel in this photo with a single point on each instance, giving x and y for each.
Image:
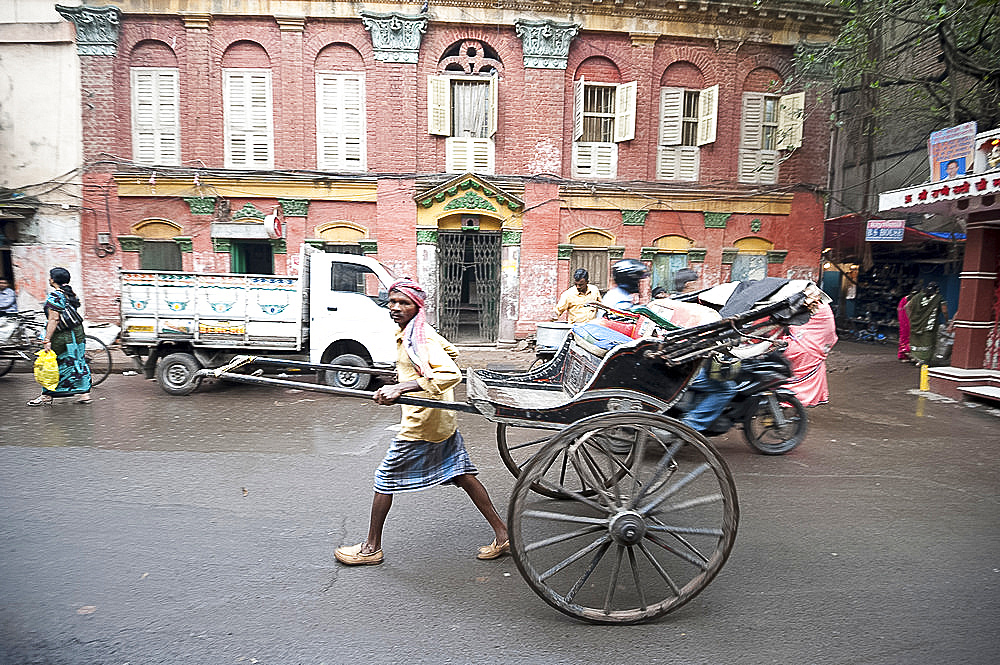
(644, 532)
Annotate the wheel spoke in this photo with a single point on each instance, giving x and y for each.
(635, 578)
(665, 464)
(656, 564)
(691, 503)
(589, 473)
(613, 582)
(555, 540)
(700, 560)
(574, 557)
(681, 484)
(563, 517)
(528, 443)
(571, 594)
(688, 530)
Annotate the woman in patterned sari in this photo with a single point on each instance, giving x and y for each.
(68, 344)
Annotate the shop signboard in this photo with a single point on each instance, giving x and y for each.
(885, 230)
(952, 151)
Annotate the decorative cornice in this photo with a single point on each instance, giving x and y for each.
(644, 38)
(185, 243)
(776, 255)
(221, 244)
(368, 246)
(291, 23)
(564, 252)
(648, 253)
(314, 242)
(545, 43)
(248, 211)
(427, 236)
(510, 237)
(294, 207)
(130, 243)
(729, 255)
(200, 205)
(97, 28)
(395, 37)
(716, 220)
(470, 201)
(196, 20)
(455, 186)
(615, 253)
(697, 254)
(755, 225)
(278, 246)
(634, 217)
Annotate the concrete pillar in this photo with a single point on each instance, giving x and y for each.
(975, 314)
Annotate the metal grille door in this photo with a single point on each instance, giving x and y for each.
(469, 270)
(451, 258)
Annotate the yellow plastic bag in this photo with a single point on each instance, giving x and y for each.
(47, 369)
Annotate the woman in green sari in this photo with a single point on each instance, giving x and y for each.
(923, 309)
(68, 343)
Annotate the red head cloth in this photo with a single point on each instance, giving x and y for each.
(414, 334)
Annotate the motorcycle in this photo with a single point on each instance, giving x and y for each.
(773, 419)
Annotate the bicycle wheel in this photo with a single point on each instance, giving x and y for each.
(777, 425)
(98, 357)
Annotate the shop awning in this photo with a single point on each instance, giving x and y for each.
(845, 237)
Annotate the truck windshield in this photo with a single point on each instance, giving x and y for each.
(352, 278)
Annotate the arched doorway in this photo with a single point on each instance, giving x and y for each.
(469, 277)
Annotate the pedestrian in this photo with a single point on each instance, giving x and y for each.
(684, 280)
(428, 450)
(903, 348)
(574, 300)
(8, 298)
(626, 274)
(808, 347)
(66, 340)
(923, 310)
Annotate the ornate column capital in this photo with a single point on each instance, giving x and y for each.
(545, 43)
(97, 28)
(644, 38)
(196, 20)
(395, 37)
(291, 23)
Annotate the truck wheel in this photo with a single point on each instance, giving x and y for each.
(344, 379)
(176, 374)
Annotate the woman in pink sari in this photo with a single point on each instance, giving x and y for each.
(808, 346)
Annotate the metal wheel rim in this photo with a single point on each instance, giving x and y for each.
(98, 360)
(177, 375)
(765, 434)
(639, 547)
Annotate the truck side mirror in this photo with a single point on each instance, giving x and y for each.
(382, 299)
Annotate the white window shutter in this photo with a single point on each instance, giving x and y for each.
(482, 156)
(439, 105)
(708, 114)
(249, 126)
(340, 114)
(457, 154)
(671, 115)
(768, 167)
(492, 117)
(758, 166)
(605, 160)
(753, 117)
(791, 111)
(625, 111)
(578, 86)
(677, 163)
(666, 162)
(155, 115)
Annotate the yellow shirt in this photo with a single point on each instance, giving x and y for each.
(421, 423)
(574, 303)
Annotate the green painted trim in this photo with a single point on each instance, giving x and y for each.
(130, 243)
(185, 243)
(200, 205)
(510, 237)
(716, 220)
(294, 207)
(634, 217)
(248, 211)
(314, 242)
(427, 203)
(777, 255)
(729, 255)
(223, 245)
(369, 246)
(616, 253)
(427, 236)
(564, 252)
(755, 225)
(513, 205)
(470, 201)
(278, 246)
(697, 255)
(648, 253)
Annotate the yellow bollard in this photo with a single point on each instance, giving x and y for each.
(925, 383)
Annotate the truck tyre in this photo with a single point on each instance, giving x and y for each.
(176, 374)
(343, 379)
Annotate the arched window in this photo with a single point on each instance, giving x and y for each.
(462, 105)
(342, 237)
(671, 255)
(750, 261)
(340, 109)
(246, 92)
(155, 104)
(159, 249)
(603, 117)
(688, 119)
(771, 122)
(591, 251)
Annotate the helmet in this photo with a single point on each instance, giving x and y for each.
(628, 272)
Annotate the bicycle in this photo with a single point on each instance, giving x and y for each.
(21, 337)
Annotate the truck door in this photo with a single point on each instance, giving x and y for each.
(347, 310)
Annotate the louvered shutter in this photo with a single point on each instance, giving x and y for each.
(578, 108)
(491, 128)
(469, 155)
(482, 156)
(341, 117)
(605, 160)
(791, 109)
(708, 114)
(671, 115)
(753, 118)
(625, 111)
(155, 116)
(439, 105)
(677, 163)
(249, 135)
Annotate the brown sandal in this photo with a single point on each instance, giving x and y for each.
(494, 550)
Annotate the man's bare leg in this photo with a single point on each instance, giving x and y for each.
(381, 503)
(477, 492)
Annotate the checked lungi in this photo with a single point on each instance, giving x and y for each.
(416, 465)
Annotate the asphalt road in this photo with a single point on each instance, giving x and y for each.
(148, 529)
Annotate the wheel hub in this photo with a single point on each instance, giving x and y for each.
(627, 527)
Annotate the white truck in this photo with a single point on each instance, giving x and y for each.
(176, 323)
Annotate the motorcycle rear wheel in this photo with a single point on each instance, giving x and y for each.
(777, 425)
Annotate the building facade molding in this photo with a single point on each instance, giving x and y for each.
(97, 28)
(545, 42)
(395, 37)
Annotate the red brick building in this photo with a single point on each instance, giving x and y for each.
(486, 152)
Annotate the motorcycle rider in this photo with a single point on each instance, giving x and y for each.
(627, 274)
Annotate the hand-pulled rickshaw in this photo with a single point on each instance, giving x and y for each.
(620, 514)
